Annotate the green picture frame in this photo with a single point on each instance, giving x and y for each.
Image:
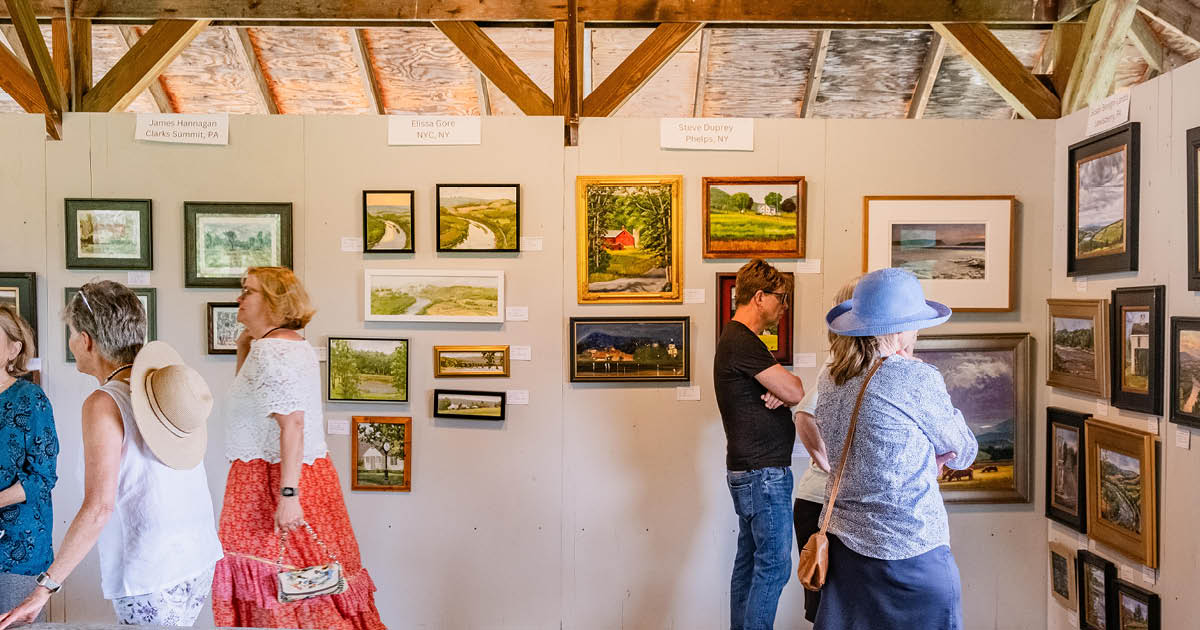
(149, 297)
(19, 288)
(261, 237)
(108, 233)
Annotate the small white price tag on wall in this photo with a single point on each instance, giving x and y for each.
(418, 130)
(531, 243)
(1081, 284)
(338, 427)
(1152, 425)
(1183, 437)
(804, 360)
(809, 265)
(183, 128)
(1149, 575)
(693, 296)
(516, 313)
(521, 353)
(517, 397)
(137, 278)
(1101, 408)
(322, 353)
(352, 244)
(687, 393)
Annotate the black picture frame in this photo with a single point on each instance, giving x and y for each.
(1179, 388)
(1126, 136)
(1067, 420)
(1084, 559)
(1153, 615)
(439, 412)
(211, 309)
(333, 391)
(582, 370)
(412, 223)
(515, 246)
(24, 285)
(194, 211)
(76, 260)
(726, 282)
(1193, 207)
(1125, 301)
(151, 305)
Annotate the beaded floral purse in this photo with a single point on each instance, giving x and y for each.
(306, 582)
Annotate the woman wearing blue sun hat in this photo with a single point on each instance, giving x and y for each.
(890, 564)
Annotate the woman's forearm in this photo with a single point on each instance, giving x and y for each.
(810, 436)
(81, 537)
(291, 448)
(12, 495)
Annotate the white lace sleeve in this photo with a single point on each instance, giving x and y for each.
(276, 380)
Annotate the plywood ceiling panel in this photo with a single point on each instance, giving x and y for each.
(211, 75)
(533, 50)
(961, 92)
(107, 48)
(1131, 69)
(870, 73)
(422, 72)
(1174, 41)
(670, 93)
(757, 73)
(311, 70)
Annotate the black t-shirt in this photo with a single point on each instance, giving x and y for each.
(757, 437)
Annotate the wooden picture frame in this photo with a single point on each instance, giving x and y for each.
(1096, 578)
(1136, 607)
(149, 299)
(1124, 514)
(464, 404)
(599, 274)
(1078, 346)
(782, 336)
(1136, 348)
(937, 237)
(1001, 366)
(350, 358)
(19, 289)
(398, 228)
(222, 336)
(369, 437)
(606, 349)
(254, 224)
(454, 233)
(457, 295)
(119, 233)
(739, 227)
(1102, 232)
(457, 361)
(1066, 468)
(1193, 207)
(1184, 389)
(1063, 575)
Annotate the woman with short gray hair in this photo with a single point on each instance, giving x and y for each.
(146, 495)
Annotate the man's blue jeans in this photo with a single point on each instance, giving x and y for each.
(762, 499)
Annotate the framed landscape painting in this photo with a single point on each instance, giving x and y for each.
(223, 327)
(388, 222)
(988, 378)
(382, 453)
(1078, 352)
(754, 217)
(630, 349)
(1062, 575)
(408, 295)
(1122, 496)
(778, 337)
(470, 361)
(629, 238)
(363, 369)
(1185, 371)
(1193, 208)
(223, 240)
(1066, 468)
(19, 290)
(1102, 202)
(1136, 344)
(479, 217)
(961, 248)
(1097, 582)
(463, 404)
(109, 234)
(1137, 608)
(149, 300)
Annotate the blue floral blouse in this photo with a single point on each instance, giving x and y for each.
(28, 453)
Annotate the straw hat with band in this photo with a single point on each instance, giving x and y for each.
(886, 301)
(171, 404)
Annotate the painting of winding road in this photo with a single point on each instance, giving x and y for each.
(483, 218)
(388, 217)
(1121, 490)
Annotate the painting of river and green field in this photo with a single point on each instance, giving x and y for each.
(368, 370)
(479, 218)
(754, 217)
(1101, 194)
(388, 221)
(941, 251)
(442, 296)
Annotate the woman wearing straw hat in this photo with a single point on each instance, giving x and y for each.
(28, 457)
(146, 504)
(890, 564)
(280, 476)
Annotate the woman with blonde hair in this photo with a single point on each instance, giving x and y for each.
(281, 477)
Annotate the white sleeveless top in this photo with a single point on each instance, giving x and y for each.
(278, 376)
(162, 531)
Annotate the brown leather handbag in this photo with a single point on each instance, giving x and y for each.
(814, 558)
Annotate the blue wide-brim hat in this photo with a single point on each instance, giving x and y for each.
(886, 301)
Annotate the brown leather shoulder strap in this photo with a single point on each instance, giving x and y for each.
(837, 481)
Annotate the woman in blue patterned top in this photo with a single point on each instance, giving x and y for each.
(28, 454)
(890, 564)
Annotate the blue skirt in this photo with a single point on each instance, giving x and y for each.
(863, 593)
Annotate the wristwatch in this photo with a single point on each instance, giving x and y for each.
(289, 492)
(43, 579)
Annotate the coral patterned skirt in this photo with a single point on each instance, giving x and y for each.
(244, 586)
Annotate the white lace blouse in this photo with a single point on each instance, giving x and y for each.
(279, 376)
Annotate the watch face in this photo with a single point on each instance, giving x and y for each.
(289, 492)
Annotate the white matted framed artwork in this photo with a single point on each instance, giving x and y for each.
(414, 295)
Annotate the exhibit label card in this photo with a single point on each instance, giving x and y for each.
(413, 130)
(1108, 113)
(1183, 437)
(687, 393)
(338, 427)
(183, 128)
(707, 134)
(517, 396)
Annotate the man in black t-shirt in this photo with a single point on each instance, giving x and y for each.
(750, 386)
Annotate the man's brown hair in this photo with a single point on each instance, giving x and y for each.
(758, 275)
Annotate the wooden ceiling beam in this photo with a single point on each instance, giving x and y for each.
(929, 72)
(1071, 9)
(1064, 48)
(9, 33)
(1095, 67)
(816, 68)
(498, 67)
(18, 81)
(639, 67)
(1001, 69)
(40, 63)
(245, 46)
(1179, 16)
(366, 70)
(73, 60)
(1146, 41)
(158, 93)
(140, 67)
(702, 73)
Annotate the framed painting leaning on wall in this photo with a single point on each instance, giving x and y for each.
(1066, 468)
(109, 234)
(1184, 387)
(222, 240)
(1077, 350)
(1136, 347)
(1122, 491)
(1137, 608)
(1193, 208)
(1062, 575)
(1102, 202)
(1096, 578)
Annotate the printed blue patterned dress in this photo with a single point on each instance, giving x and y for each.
(28, 453)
